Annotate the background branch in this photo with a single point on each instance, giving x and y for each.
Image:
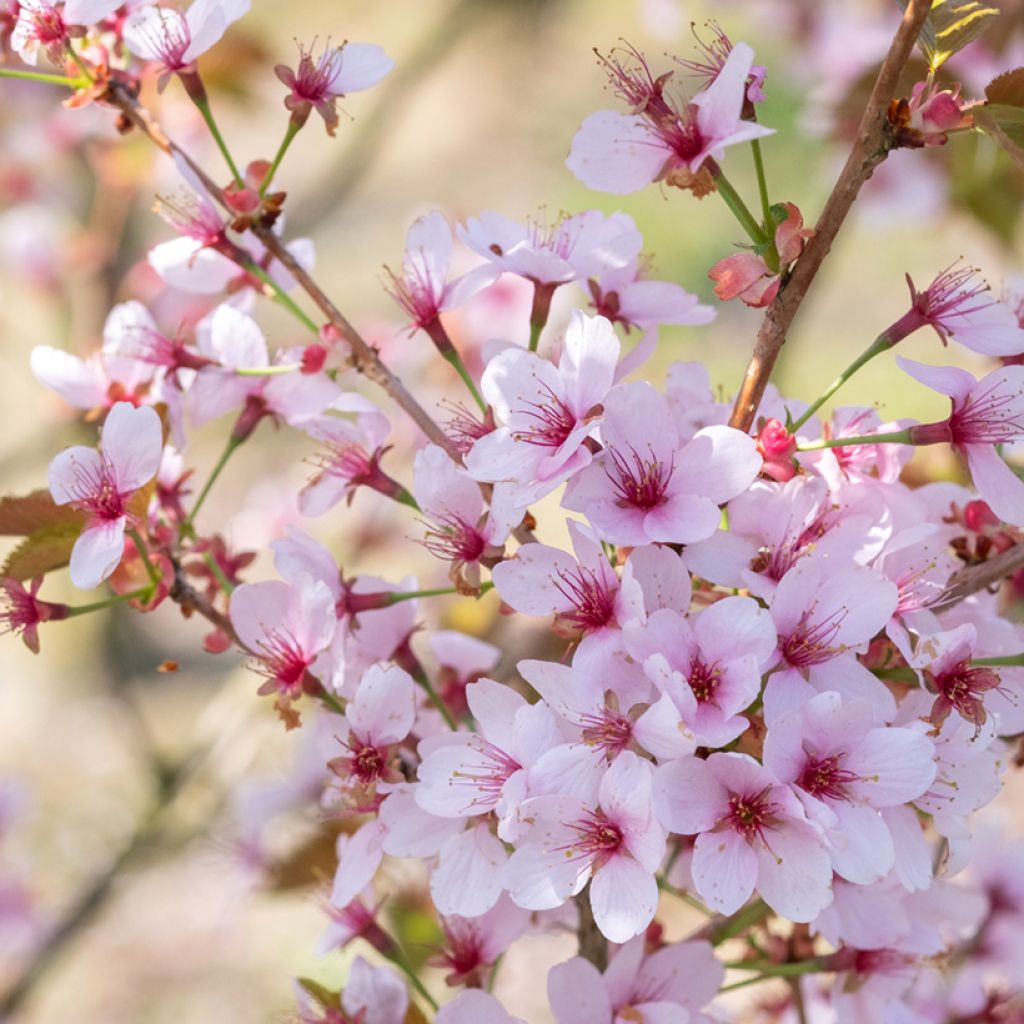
(871, 147)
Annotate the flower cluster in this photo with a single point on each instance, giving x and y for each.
(760, 679)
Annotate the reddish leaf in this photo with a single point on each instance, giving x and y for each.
(42, 552)
(21, 516)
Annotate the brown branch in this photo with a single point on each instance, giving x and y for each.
(364, 357)
(871, 147)
(974, 578)
(592, 945)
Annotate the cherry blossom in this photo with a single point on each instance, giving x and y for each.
(751, 833)
(661, 139)
(546, 412)
(102, 482)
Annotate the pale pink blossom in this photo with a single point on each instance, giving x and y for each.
(285, 627)
(40, 25)
(709, 665)
(957, 305)
(459, 528)
(423, 289)
(374, 995)
(339, 70)
(622, 153)
(466, 775)
(573, 248)
(823, 617)
(751, 831)
(546, 412)
(102, 483)
(650, 486)
(616, 846)
(474, 1006)
(667, 985)
(174, 40)
(473, 944)
(986, 413)
(845, 769)
(624, 295)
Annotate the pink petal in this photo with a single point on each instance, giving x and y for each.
(996, 482)
(78, 382)
(624, 898)
(795, 872)
(864, 852)
(724, 870)
(359, 856)
(577, 994)
(97, 552)
(947, 380)
(68, 467)
(132, 440)
(467, 879)
(384, 707)
(363, 65)
(687, 797)
(616, 153)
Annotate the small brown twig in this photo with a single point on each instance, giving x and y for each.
(974, 578)
(592, 945)
(364, 356)
(871, 147)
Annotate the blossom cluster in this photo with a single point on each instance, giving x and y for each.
(773, 697)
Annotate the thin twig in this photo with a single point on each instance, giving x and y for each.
(364, 357)
(974, 578)
(592, 945)
(871, 147)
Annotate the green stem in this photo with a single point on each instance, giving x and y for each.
(281, 295)
(140, 545)
(408, 595)
(899, 675)
(435, 699)
(1009, 660)
(229, 449)
(398, 959)
(203, 106)
(331, 701)
(535, 329)
(880, 344)
(745, 982)
(743, 919)
(290, 132)
(895, 437)
(40, 76)
(268, 371)
(739, 209)
(457, 364)
(218, 573)
(766, 969)
(762, 183)
(110, 602)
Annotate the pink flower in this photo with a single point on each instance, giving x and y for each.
(930, 113)
(474, 1006)
(956, 305)
(474, 774)
(943, 662)
(102, 483)
(474, 944)
(845, 769)
(986, 413)
(423, 290)
(714, 55)
(668, 985)
(573, 248)
(174, 40)
(583, 593)
(622, 153)
(459, 531)
(285, 627)
(751, 832)
(647, 485)
(22, 612)
(616, 846)
(374, 995)
(710, 665)
(379, 716)
(747, 275)
(40, 26)
(623, 295)
(823, 617)
(547, 413)
(351, 67)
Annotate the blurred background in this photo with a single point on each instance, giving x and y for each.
(162, 853)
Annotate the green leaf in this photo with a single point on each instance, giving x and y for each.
(42, 551)
(21, 516)
(1007, 89)
(950, 26)
(323, 995)
(1005, 124)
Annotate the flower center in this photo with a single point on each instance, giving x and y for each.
(811, 642)
(638, 482)
(826, 779)
(748, 815)
(610, 730)
(962, 689)
(552, 421)
(95, 491)
(455, 539)
(283, 662)
(704, 680)
(592, 600)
